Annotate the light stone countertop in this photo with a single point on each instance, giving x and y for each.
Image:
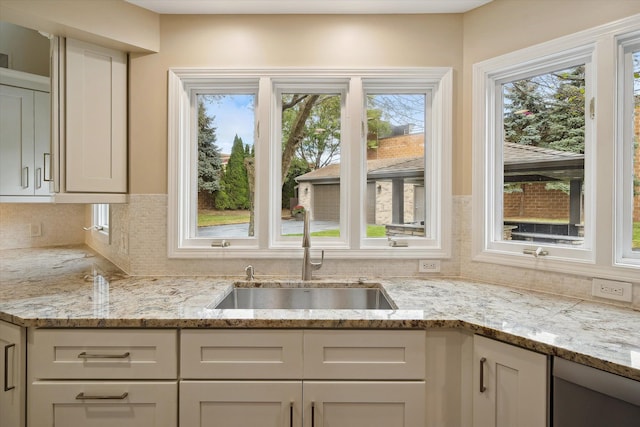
(69, 287)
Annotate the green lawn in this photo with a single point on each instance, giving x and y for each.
(207, 218)
(636, 236)
(372, 231)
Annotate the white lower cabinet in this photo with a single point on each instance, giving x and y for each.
(12, 363)
(328, 378)
(302, 403)
(509, 385)
(364, 404)
(103, 377)
(101, 403)
(241, 403)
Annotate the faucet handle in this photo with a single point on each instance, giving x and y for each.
(317, 265)
(250, 272)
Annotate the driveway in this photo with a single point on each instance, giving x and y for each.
(241, 230)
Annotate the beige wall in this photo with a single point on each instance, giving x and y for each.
(504, 26)
(274, 41)
(112, 23)
(28, 51)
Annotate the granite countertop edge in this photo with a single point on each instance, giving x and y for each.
(67, 288)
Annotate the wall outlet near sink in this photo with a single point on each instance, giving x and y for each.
(611, 289)
(429, 266)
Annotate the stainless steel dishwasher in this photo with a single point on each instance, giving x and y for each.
(588, 397)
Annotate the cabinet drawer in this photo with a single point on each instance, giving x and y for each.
(97, 404)
(102, 354)
(372, 355)
(246, 354)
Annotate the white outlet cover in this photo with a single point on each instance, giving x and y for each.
(619, 291)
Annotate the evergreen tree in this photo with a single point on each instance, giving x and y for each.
(209, 161)
(547, 110)
(235, 184)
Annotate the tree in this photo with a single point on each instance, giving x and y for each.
(298, 167)
(547, 110)
(234, 193)
(209, 161)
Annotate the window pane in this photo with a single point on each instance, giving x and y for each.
(225, 130)
(543, 154)
(101, 216)
(635, 214)
(395, 194)
(311, 162)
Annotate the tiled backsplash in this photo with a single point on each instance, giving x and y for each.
(57, 224)
(139, 246)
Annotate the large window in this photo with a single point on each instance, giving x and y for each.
(366, 154)
(395, 157)
(542, 150)
(555, 155)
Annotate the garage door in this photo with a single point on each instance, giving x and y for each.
(326, 202)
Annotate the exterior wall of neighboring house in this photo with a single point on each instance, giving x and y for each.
(384, 204)
(411, 145)
(535, 201)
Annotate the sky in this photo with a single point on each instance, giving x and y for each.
(233, 114)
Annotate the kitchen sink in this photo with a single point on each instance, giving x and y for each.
(305, 296)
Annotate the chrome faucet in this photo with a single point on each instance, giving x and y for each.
(307, 265)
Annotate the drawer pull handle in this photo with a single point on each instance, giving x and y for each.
(6, 367)
(482, 387)
(85, 355)
(83, 396)
(313, 414)
(291, 414)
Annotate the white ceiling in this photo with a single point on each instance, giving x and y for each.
(308, 6)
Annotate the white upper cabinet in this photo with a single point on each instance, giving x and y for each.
(94, 149)
(24, 136)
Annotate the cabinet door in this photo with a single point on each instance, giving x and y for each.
(240, 403)
(510, 385)
(99, 404)
(364, 404)
(16, 141)
(12, 363)
(42, 143)
(96, 119)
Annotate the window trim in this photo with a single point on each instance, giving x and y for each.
(624, 255)
(182, 79)
(597, 259)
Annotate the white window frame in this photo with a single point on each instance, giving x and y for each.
(596, 257)
(100, 219)
(338, 86)
(268, 243)
(625, 256)
(432, 162)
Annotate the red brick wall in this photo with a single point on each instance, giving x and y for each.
(536, 202)
(397, 147)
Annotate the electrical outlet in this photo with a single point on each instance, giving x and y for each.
(611, 289)
(429, 266)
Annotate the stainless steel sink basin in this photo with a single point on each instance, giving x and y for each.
(307, 297)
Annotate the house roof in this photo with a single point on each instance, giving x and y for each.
(379, 169)
(522, 163)
(526, 163)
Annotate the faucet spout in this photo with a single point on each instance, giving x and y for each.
(308, 266)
